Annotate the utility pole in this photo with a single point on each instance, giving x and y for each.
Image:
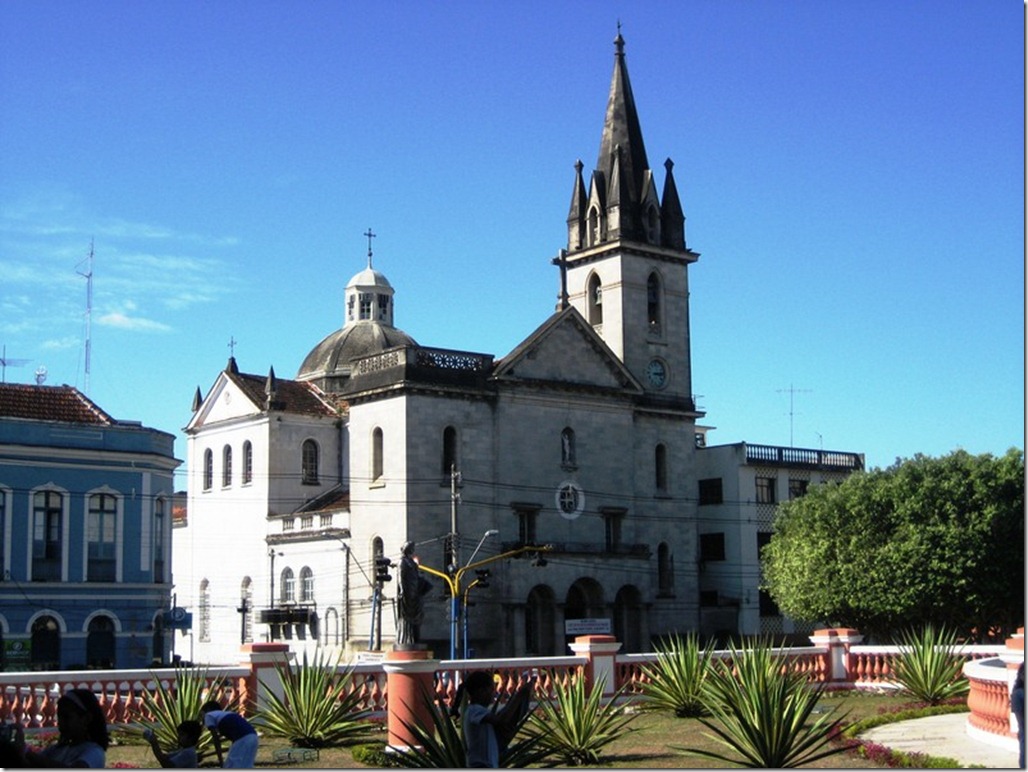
(242, 610)
(454, 565)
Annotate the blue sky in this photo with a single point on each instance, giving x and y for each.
(852, 175)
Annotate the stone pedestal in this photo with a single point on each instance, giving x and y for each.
(410, 691)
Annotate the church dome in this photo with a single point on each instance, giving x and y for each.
(330, 361)
(369, 277)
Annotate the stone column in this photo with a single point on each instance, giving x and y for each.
(601, 651)
(838, 640)
(409, 695)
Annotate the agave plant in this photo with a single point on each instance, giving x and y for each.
(675, 682)
(442, 746)
(318, 707)
(576, 723)
(930, 665)
(764, 711)
(170, 706)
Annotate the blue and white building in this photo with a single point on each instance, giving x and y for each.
(85, 533)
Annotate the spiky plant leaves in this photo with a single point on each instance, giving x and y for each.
(930, 665)
(576, 723)
(318, 707)
(763, 712)
(181, 701)
(675, 682)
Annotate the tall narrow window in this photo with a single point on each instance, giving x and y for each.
(449, 451)
(205, 610)
(226, 466)
(366, 300)
(288, 585)
(665, 571)
(246, 610)
(612, 518)
(376, 454)
(306, 585)
(653, 302)
(100, 537)
(208, 469)
(526, 524)
(660, 467)
(766, 490)
(47, 513)
(595, 301)
(159, 524)
(247, 462)
(568, 451)
(309, 462)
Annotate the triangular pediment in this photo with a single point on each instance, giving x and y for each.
(566, 351)
(226, 401)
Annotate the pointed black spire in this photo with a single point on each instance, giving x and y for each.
(232, 367)
(621, 127)
(197, 399)
(576, 214)
(672, 219)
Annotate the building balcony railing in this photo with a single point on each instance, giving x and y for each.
(804, 457)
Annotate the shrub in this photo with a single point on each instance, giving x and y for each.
(318, 708)
(930, 665)
(576, 724)
(763, 710)
(675, 682)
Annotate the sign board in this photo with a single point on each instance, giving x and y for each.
(17, 654)
(178, 619)
(586, 627)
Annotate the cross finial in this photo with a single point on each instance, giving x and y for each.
(232, 346)
(370, 236)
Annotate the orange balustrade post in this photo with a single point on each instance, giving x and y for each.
(838, 640)
(601, 651)
(409, 694)
(262, 658)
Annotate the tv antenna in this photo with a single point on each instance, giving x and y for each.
(792, 392)
(5, 363)
(40, 375)
(89, 306)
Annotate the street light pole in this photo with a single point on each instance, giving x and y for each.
(453, 568)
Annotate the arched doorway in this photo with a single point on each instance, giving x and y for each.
(584, 601)
(540, 620)
(46, 644)
(100, 643)
(628, 619)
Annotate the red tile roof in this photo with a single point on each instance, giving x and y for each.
(50, 403)
(290, 396)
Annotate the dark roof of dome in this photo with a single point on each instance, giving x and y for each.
(335, 353)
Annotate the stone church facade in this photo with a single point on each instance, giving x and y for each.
(582, 439)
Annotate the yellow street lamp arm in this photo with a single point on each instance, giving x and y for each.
(502, 556)
(454, 587)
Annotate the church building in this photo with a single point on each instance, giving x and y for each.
(573, 455)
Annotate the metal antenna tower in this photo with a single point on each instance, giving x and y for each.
(792, 392)
(89, 306)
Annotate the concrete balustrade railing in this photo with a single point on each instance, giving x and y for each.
(837, 659)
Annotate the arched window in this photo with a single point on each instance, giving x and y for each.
(306, 585)
(594, 227)
(568, 452)
(226, 466)
(208, 469)
(449, 451)
(247, 463)
(309, 462)
(159, 524)
(47, 535)
(246, 603)
(594, 301)
(660, 467)
(653, 310)
(665, 571)
(100, 643)
(653, 224)
(288, 585)
(376, 454)
(205, 610)
(100, 538)
(46, 644)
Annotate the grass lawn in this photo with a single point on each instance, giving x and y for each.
(647, 746)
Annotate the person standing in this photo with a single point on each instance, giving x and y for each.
(237, 730)
(82, 736)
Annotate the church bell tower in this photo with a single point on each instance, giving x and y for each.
(626, 264)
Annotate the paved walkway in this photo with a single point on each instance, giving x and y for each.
(944, 736)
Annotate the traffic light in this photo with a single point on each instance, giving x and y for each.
(483, 576)
(382, 566)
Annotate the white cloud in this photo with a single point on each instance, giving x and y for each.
(134, 324)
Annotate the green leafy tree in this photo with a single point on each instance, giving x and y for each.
(927, 540)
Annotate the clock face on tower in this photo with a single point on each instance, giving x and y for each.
(656, 373)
